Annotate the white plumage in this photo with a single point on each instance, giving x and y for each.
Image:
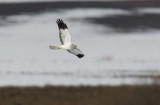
(66, 40)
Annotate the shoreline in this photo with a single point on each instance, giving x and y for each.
(82, 95)
(34, 7)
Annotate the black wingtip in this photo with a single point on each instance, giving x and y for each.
(61, 24)
(80, 55)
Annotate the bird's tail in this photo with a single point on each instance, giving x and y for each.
(54, 47)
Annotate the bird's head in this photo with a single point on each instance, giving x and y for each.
(73, 46)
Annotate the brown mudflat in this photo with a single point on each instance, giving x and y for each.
(83, 95)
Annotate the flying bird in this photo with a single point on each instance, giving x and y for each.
(66, 40)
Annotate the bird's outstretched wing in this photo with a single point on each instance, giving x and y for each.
(76, 52)
(64, 34)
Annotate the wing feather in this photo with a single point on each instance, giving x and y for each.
(64, 34)
(76, 52)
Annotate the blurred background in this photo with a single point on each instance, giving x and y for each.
(120, 40)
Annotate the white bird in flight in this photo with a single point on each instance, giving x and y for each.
(66, 40)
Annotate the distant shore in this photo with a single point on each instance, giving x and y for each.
(33, 7)
(83, 95)
(122, 23)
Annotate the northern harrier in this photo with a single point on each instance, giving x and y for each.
(66, 40)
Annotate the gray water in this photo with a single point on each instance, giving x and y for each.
(120, 46)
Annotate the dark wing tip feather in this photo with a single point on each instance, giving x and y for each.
(80, 55)
(61, 24)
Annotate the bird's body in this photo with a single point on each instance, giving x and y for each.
(66, 40)
(65, 47)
